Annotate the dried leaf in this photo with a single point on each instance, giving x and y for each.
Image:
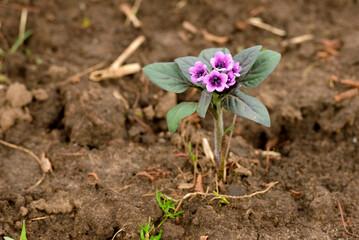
(199, 186)
(296, 194)
(241, 25)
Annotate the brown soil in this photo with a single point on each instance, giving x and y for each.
(90, 131)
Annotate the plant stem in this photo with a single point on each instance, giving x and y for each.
(218, 133)
(162, 221)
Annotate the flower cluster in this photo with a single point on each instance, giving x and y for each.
(223, 75)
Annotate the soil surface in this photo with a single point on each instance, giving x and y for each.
(102, 145)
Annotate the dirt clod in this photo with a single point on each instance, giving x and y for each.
(18, 95)
(165, 103)
(93, 115)
(40, 94)
(59, 203)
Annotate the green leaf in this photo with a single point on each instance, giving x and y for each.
(246, 58)
(23, 232)
(184, 63)
(178, 112)
(266, 62)
(246, 106)
(158, 237)
(206, 55)
(229, 129)
(204, 102)
(20, 41)
(166, 76)
(8, 238)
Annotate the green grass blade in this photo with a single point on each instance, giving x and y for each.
(20, 41)
(23, 232)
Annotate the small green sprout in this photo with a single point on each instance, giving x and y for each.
(167, 206)
(86, 22)
(2, 78)
(39, 61)
(28, 51)
(23, 233)
(229, 129)
(146, 231)
(193, 157)
(20, 41)
(223, 199)
(2, 52)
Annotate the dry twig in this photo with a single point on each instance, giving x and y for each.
(76, 77)
(227, 150)
(126, 9)
(142, 123)
(257, 22)
(213, 38)
(116, 70)
(208, 151)
(23, 20)
(189, 27)
(297, 40)
(347, 94)
(342, 218)
(117, 233)
(188, 195)
(348, 82)
(40, 161)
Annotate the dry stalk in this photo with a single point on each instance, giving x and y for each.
(218, 196)
(343, 222)
(134, 10)
(116, 70)
(33, 155)
(23, 20)
(227, 150)
(76, 77)
(347, 94)
(126, 9)
(257, 22)
(213, 38)
(297, 40)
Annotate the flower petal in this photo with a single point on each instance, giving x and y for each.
(210, 87)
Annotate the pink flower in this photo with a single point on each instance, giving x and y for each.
(222, 62)
(199, 71)
(215, 81)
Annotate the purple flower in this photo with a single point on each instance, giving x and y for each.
(236, 69)
(231, 79)
(215, 81)
(199, 71)
(222, 62)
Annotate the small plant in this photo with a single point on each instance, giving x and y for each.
(23, 233)
(223, 199)
(167, 207)
(146, 231)
(218, 76)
